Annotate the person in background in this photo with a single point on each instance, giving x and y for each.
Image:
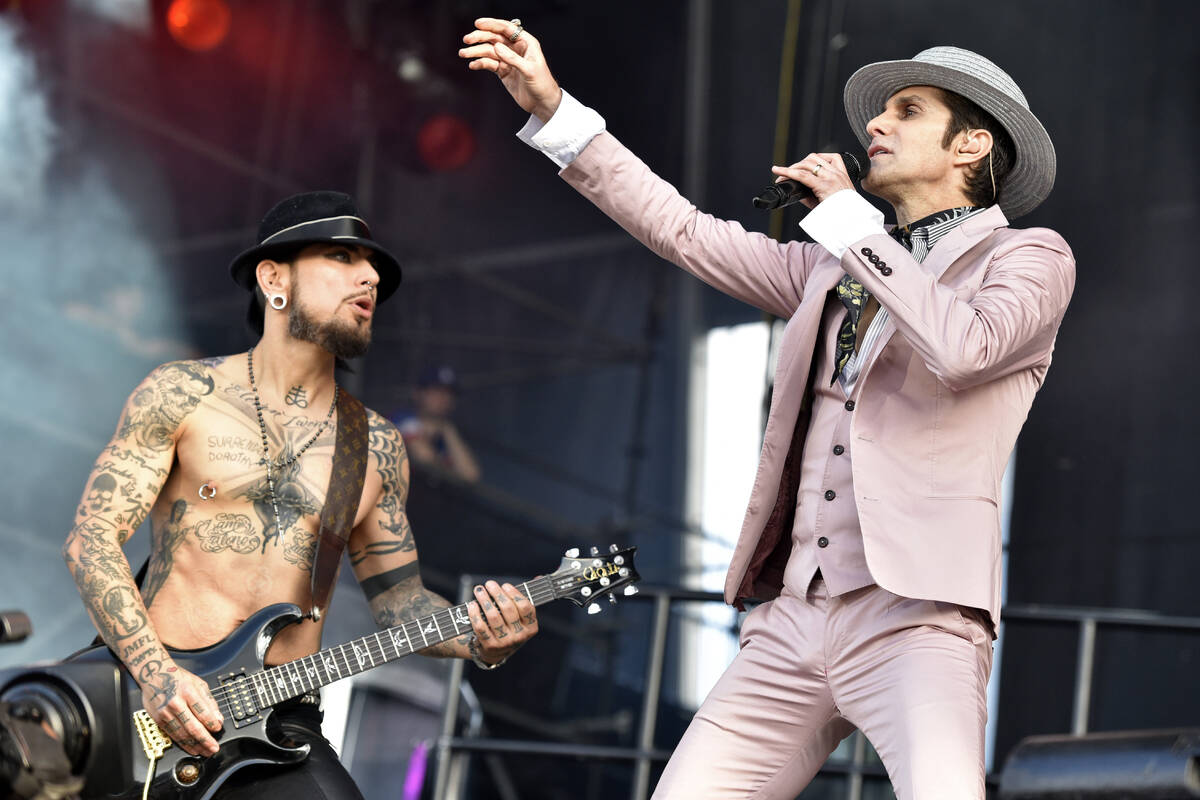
(430, 434)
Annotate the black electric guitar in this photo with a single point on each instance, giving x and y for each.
(246, 691)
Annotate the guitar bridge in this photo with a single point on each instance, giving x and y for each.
(154, 740)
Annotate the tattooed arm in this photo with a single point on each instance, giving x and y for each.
(384, 557)
(124, 483)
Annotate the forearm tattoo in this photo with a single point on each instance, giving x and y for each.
(409, 599)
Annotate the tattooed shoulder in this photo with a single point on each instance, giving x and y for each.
(163, 400)
(387, 452)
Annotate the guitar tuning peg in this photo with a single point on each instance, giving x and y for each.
(595, 551)
(612, 599)
(630, 591)
(593, 608)
(572, 553)
(612, 548)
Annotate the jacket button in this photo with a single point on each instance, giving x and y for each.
(822, 542)
(886, 271)
(838, 449)
(830, 494)
(874, 259)
(866, 251)
(849, 405)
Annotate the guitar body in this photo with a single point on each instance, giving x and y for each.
(243, 743)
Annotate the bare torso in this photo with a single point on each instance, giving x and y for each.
(216, 561)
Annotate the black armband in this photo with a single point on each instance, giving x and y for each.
(378, 584)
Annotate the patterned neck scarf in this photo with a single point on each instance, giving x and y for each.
(918, 238)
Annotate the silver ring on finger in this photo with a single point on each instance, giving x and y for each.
(512, 37)
(817, 168)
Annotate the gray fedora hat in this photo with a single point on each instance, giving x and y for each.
(980, 81)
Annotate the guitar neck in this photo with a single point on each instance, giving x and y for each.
(276, 684)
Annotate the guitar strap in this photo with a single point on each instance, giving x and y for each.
(341, 499)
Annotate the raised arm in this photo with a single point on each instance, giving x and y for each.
(384, 557)
(125, 481)
(749, 266)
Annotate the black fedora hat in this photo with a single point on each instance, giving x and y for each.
(311, 218)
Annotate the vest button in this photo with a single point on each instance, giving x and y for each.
(830, 494)
(849, 405)
(822, 542)
(838, 449)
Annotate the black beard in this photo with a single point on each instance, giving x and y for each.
(339, 338)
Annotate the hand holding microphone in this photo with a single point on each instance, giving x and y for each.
(812, 179)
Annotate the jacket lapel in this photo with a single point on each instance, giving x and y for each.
(940, 258)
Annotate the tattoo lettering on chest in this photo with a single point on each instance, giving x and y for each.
(241, 451)
(297, 396)
(228, 532)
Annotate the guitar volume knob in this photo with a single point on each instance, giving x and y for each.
(187, 773)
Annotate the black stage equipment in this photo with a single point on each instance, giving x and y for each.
(1127, 765)
(58, 731)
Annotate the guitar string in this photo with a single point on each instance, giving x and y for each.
(224, 692)
(269, 683)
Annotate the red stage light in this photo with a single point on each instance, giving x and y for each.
(198, 24)
(445, 142)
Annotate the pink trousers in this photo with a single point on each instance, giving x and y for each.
(910, 674)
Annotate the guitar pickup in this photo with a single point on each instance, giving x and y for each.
(239, 694)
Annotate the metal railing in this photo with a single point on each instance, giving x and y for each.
(450, 776)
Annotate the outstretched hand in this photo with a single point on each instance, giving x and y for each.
(519, 64)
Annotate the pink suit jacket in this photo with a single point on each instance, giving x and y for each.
(937, 408)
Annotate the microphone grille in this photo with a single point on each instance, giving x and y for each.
(855, 168)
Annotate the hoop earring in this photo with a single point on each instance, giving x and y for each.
(278, 302)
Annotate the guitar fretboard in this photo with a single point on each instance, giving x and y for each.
(276, 684)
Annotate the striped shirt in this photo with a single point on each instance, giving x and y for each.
(926, 232)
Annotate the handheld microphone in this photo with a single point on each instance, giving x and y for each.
(788, 191)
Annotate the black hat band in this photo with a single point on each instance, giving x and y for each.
(344, 227)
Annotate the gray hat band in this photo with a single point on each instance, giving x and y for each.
(328, 228)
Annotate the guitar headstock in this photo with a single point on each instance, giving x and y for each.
(583, 579)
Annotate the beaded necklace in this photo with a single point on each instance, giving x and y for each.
(281, 462)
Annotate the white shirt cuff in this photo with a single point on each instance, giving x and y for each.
(842, 219)
(563, 137)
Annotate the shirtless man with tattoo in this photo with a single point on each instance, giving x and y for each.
(232, 533)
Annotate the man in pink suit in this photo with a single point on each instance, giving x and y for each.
(909, 362)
